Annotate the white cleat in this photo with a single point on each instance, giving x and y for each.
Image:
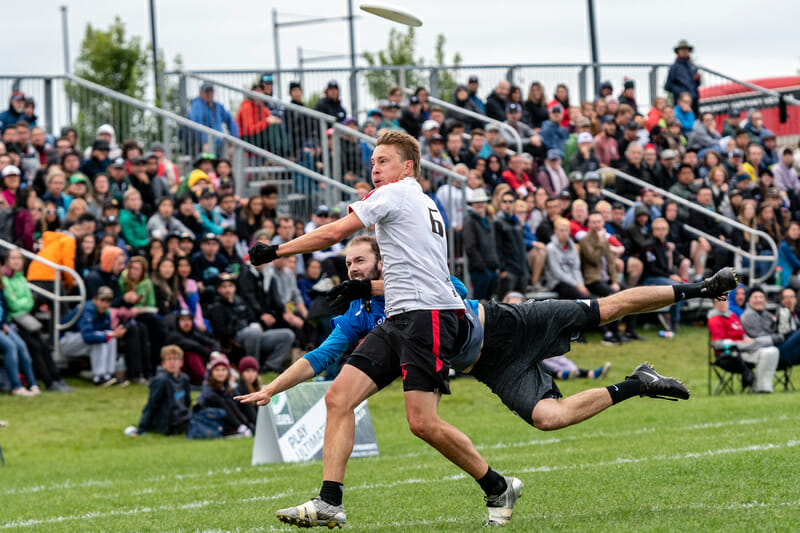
(313, 513)
(501, 507)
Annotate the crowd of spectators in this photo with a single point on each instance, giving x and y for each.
(164, 253)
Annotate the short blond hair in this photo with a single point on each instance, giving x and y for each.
(561, 222)
(169, 350)
(406, 145)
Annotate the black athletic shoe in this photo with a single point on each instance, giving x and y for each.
(655, 385)
(631, 335)
(718, 285)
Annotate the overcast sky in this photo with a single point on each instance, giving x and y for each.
(738, 37)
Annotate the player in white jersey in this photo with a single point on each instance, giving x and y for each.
(415, 342)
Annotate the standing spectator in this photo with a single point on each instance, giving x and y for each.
(683, 76)
(93, 334)
(206, 111)
(15, 111)
(253, 119)
(330, 103)
(497, 101)
(727, 332)
(480, 246)
(299, 127)
(509, 236)
(627, 96)
(563, 267)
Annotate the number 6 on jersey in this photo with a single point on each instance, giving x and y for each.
(437, 224)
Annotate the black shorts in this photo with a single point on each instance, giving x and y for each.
(416, 345)
(517, 338)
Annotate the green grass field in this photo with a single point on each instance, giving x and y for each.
(707, 464)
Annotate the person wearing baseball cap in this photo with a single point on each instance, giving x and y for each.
(412, 118)
(330, 104)
(584, 159)
(513, 113)
(208, 265)
(472, 87)
(554, 135)
(12, 178)
(552, 175)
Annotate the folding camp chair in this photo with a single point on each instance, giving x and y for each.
(727, 367)
(783, 376)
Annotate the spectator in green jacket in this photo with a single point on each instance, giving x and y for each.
(134, 222)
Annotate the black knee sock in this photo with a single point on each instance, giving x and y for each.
(624, 390)
(331, 492)
(582, 373)
(492, 483)
(685, 291)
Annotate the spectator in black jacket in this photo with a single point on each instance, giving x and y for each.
(299, 127)
(461, 99)
(330, 103)
(196, 345)
(514, 268)
(169, 402)
(497, 101)
(544, 232)
(411, 117)
(480, 246)
(660, 259)
(632, 165)
(234, 323)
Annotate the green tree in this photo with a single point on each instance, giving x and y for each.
(400, 52)
(118, 62)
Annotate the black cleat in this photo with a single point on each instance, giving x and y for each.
(718, 285)
(655, 385)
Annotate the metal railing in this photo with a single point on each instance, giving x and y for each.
(477, 116)
(55, 295)
(752, 255)
(184, 137)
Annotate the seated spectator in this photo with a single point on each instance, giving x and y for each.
(686, 187)
(451, 197)
(218, 393)
(497, 101)
(788, 319)
(411, 117)
(165, 286)
(58, 247)
(56, 183)
(554, 135)
(16, 358)
(134, 222)
(189, 216)
(516, 178)
(226, 209)
(169, 401)
(207, 265)
(188, 291)
(584, 159)
(727, 333)
(480, 247)
(227, 247)
(461, 98)
(789, 255)
(530, 139)
(98, 161)
(471, 153)
(760, 323)
(535, 106)
(704, 135)
(235, 323)
(250, 219)
(210, 219)
(195, 344)
(563, 267)
(606, 146)
(552, 176)
(162, 223)
(138, 291)
(684, 113)
(92, 334)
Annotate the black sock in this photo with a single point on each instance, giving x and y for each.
(492, 483)
(685, 291)
(582, 373)
(331, 492)
(624, 390)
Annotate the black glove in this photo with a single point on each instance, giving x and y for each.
(353, 289)
(261, 254)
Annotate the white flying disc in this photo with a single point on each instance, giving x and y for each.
(394, 13)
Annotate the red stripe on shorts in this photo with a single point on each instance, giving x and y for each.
(435, 348)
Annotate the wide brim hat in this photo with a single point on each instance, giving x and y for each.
(683, 43)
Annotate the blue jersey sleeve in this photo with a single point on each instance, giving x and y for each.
(461, 289)
(329, 351)
(355, 323)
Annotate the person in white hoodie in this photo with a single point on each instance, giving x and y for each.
(106, 131)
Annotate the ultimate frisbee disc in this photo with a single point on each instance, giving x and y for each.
(393, 13)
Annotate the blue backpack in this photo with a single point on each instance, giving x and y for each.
(206, 424)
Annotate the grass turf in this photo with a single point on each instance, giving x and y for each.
(707, 464)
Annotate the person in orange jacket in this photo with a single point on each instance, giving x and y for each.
(254, 118)
(59, 247)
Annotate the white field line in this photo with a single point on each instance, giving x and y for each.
(92, 515)
(68, 485)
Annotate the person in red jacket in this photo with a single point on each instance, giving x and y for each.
(254, 118)
(516, 178)
(727, 333)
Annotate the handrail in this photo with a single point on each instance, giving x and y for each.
(56, 295)
(183, 121)
(771, 92)
(477, 116)
(705, 212)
